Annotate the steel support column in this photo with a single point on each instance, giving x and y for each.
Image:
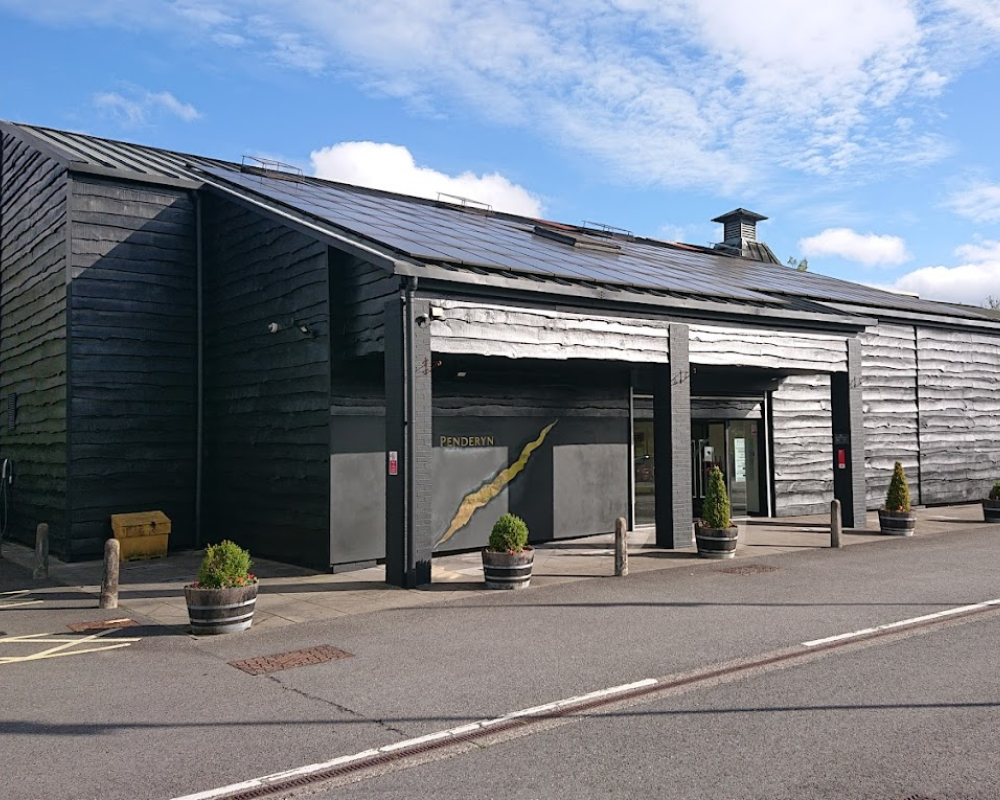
(409, 538)
(672, 444)
(849, 439)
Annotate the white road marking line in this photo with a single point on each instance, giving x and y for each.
(17, 598)
(63, 645)
(484, 725)
(902, 623)
(21, 603)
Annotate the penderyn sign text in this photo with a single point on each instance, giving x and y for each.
(465, 441)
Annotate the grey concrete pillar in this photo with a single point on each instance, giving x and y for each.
(849, 439)
(672, 444)
(409, 536)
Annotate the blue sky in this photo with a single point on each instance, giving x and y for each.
(866, 130)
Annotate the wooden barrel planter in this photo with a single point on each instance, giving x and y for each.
(897, 523)
(214, 611)
(716, 542)
(507, 570)
(991, 510)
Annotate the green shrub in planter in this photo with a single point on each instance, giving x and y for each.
(223, 598)
(995, 491)
(225, 565)
(898, 496)
(715, 509)
(509, 535)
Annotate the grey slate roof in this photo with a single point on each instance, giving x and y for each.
(458, 240)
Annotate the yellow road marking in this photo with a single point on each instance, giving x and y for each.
(17, 598)
(64, 645)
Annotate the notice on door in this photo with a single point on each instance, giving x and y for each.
(740, 457)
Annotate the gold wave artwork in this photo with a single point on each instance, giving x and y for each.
(485, 493)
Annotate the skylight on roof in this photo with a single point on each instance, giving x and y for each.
(580, 241)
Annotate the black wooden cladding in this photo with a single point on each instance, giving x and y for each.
(267, 401)
(33, 231)
(133, 358)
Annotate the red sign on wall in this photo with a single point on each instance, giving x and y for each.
(393, 462)
(841, 458)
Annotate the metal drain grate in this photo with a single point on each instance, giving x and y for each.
(101, 625)
(919, 797)
(749, 569)
(264, 665)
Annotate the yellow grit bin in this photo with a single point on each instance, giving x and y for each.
(142, 534)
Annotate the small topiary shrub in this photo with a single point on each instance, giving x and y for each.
(225, 565)
(715, 509)
(509, 535)
(995, 491)
(898, 496)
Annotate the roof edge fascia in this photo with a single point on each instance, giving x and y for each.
(353, 245)
(77, 167)
(900, 316)
(608, 299)
(48, 150)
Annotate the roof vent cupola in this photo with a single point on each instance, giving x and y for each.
(740, 236)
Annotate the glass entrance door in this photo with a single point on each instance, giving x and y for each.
(744, 478)
(732, 446)
(645, 474)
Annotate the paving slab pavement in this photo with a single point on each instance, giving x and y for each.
(153, 589)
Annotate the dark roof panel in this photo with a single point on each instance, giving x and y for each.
(443, 234)
(431, 232)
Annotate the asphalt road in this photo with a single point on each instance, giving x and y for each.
(167, 716)
(916, 717)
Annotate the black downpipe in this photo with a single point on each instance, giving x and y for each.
(408, 434)
(200, 413)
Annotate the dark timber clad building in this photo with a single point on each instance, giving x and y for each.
(333, 375)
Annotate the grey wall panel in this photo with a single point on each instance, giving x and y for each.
(747, 346)
(357, 506)
(590, 488)
(33, 331)
(803, 445)
(452, 468)
(959, 413)
(267, 395)
(357, 482)
(889, 390)
(133, 368)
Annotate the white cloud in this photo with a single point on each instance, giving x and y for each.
(679, 94)
(985, 13)
(971, 282)
(229, 39)
(392, 167)
(979, 202)
(869, 249)
(140, 105)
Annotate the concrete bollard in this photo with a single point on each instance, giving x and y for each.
(621, 548)
(109, 586)
(41, 552)
(836, 525)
